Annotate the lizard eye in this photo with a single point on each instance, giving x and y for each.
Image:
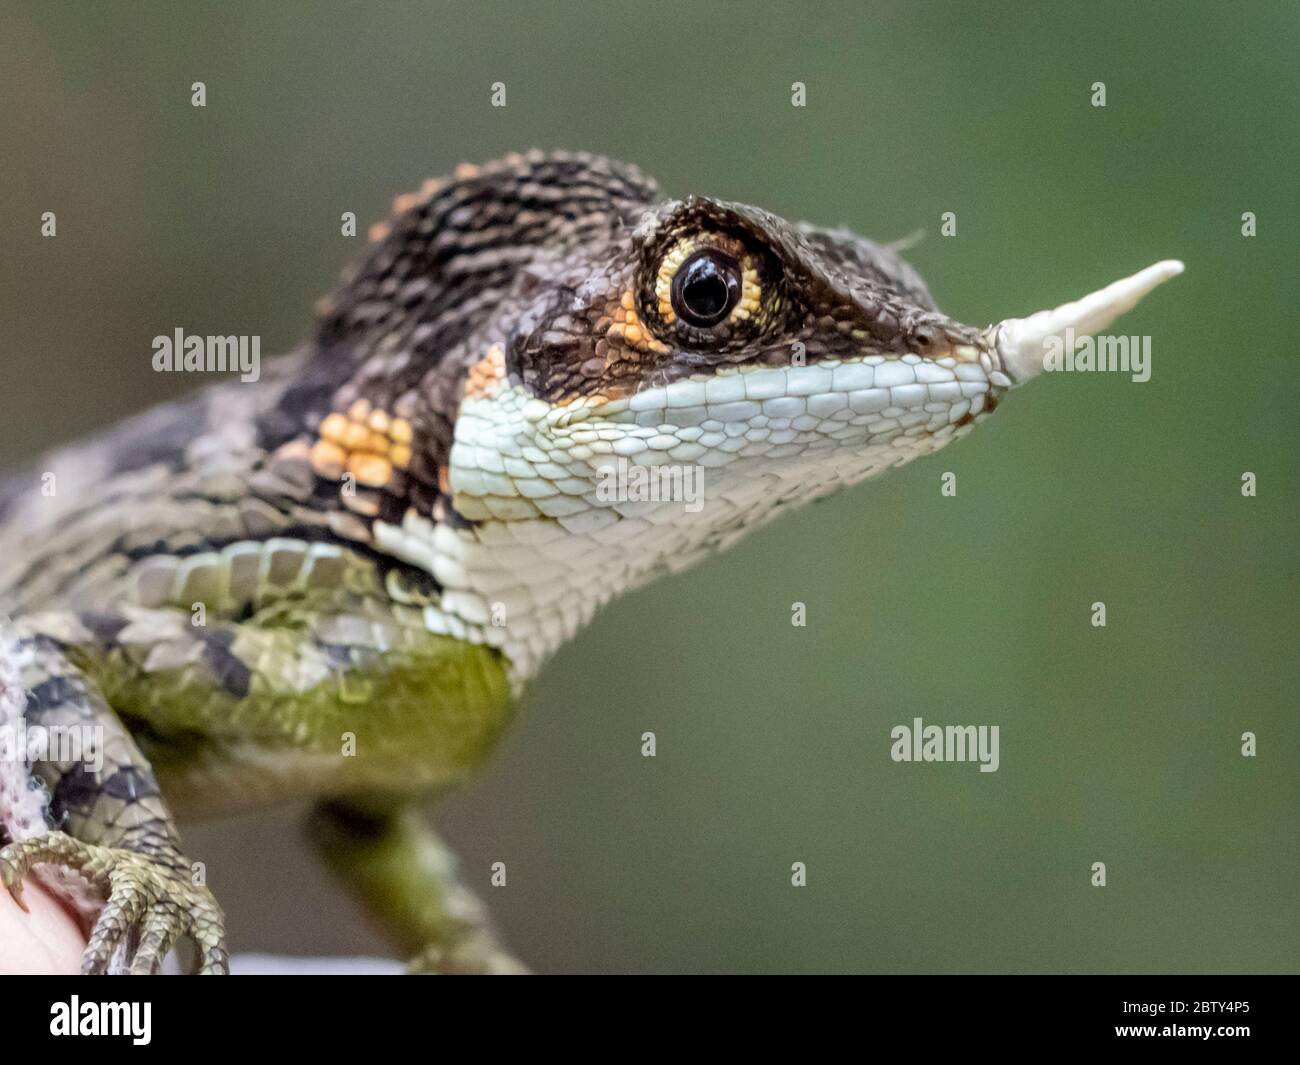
(706, 288)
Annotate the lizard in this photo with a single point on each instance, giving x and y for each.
(334, 585)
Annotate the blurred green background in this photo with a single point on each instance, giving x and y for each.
(1118, 745)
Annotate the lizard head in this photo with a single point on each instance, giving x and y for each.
(613, 384)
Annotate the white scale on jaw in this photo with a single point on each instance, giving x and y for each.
(544, 551)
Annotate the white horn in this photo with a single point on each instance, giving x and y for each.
(1023, 342)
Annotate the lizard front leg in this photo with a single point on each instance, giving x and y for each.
(113, 826)
(387, 853)
(306, 698)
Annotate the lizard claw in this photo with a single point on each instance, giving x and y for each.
(150, 904)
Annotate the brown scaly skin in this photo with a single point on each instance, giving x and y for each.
(335, 583)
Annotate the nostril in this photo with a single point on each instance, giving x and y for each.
(924, 338)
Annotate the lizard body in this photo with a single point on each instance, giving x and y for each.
(384, 538)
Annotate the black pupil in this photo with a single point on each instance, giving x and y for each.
(705, 289)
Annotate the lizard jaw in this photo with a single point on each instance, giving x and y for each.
(1023, 343)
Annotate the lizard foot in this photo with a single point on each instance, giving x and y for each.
(150, 904)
